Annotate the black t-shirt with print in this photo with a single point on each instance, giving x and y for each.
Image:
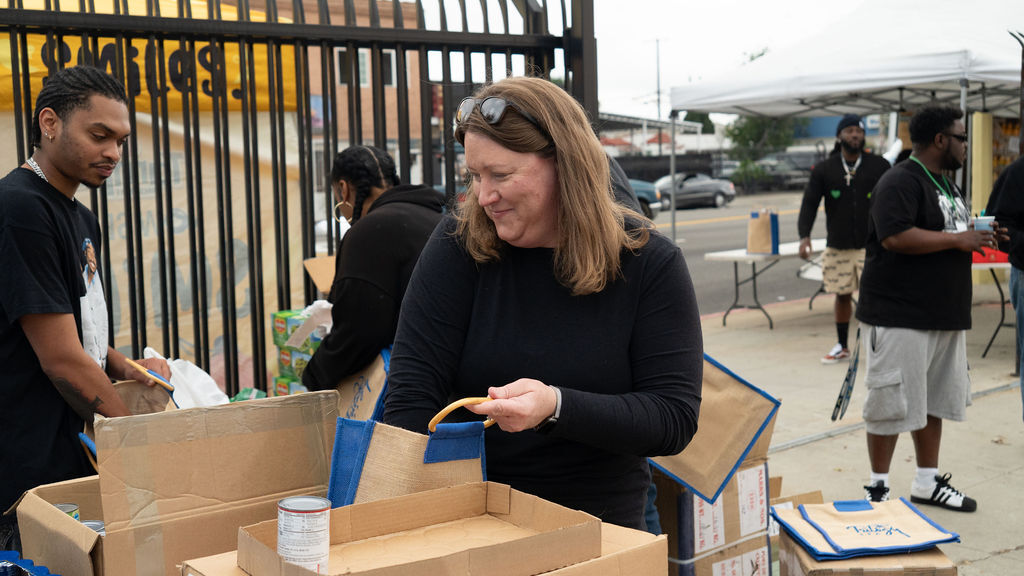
(920, 291)
(41, 258)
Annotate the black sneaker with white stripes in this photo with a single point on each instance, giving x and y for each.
(877, 492)
(945, 496)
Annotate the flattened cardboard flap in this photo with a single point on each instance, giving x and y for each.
(734, 415)
(154, 465)
(321, 272)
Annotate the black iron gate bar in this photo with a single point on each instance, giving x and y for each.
(536, 46)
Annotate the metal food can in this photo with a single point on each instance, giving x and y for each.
(69, 509)
(304, 531)
(97, 526)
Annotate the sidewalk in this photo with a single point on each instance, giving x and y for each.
(985, 454)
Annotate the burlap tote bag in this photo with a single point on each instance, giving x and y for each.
(734, 415)
(852, 528)
(372, 460)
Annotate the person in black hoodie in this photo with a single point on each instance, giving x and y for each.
(390, 224)
(845, 180)
(1007, 204)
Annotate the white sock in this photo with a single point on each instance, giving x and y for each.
(925, 478)
(875, 477)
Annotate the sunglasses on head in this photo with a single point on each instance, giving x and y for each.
(492, 109)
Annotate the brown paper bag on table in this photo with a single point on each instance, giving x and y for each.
(763, 232)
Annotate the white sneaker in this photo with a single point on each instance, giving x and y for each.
(838, 353)
(942, 494)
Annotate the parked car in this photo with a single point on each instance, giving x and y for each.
(783, 174)
(650, 199)
(803, 160)
(696, 189)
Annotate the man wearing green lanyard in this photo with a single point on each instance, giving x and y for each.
(915, 307)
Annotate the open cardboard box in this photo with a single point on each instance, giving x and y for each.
(624, 552)
(475, 528)
(178, 485)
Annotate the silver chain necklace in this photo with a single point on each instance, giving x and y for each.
(35, 168)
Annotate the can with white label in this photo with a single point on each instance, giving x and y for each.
(304, 531)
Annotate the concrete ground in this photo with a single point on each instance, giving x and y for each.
(985, 454)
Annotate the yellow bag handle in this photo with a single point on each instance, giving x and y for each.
(432, 425)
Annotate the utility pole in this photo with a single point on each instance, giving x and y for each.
(657, 93)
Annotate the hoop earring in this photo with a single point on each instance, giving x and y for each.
(338, 216)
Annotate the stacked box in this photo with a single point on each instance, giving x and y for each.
(702, 535)
(286, 385)
(292, 360)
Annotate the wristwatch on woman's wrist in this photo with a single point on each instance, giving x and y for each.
(546, 426)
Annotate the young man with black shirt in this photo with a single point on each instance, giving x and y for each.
(915, 307)
(845, 180)
(54, 347)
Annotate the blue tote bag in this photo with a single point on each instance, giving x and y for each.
(852, 528)
(372, 460)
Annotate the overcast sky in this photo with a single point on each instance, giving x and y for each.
(696, 39)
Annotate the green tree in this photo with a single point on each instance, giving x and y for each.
(707, 126)
(753, 137)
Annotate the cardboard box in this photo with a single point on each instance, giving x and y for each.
(477, 528)
(790, 502)
(283, 328)
(750, 557)
(624, 552)
(695, 528)
(795, 561)
(292, 362)
(286, 385)
(178, 484)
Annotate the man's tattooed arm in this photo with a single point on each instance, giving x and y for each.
(81, 404)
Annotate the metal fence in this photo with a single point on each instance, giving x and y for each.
(237, 110)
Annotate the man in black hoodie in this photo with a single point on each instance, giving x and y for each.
(845, 179)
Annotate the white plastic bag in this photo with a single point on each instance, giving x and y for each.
(192, 385)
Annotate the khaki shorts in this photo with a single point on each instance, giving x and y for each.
(913, 374)
(841, 269)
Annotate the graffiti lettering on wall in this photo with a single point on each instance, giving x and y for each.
(142, 69)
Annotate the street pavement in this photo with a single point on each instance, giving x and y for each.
(985, 454)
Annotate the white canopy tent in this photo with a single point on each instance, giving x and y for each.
(885, 57)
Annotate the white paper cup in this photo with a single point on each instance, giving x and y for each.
(983, 222)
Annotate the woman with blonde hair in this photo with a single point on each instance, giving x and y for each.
(564, 307)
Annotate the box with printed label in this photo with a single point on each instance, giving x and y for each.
(696, 527)
(285, 322)
(286, 385)
(749, 557)
(292, 362)
(795, 561)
